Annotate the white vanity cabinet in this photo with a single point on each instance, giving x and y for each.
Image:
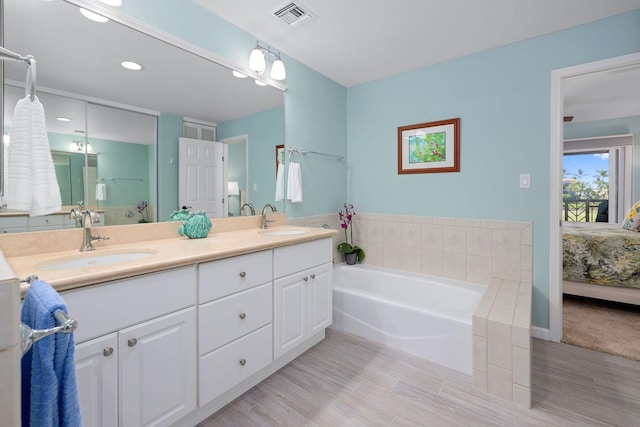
(302, 293)
(234, 321)
(136, 362)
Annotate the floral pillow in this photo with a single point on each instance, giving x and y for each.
(632, 220)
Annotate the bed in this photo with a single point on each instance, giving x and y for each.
(601, 261)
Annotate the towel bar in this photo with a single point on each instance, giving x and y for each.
(29, 336)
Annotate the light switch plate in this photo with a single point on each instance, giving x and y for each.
(525, 180)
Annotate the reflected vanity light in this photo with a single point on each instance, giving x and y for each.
(130, 65)
(257, 62)
(239, 75)
(63, 119)
(114, 3)
(79, 146)
(232, 188)
(260, 83)
(93, 16)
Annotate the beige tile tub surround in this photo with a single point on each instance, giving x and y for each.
(495, 253)
(10, 351)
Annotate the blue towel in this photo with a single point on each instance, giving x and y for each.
(49, 389)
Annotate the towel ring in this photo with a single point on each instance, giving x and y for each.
(293, 150)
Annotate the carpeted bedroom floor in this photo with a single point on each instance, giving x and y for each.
(603, 326)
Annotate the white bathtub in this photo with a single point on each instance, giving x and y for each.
(428, 316)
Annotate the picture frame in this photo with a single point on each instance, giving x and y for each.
(429, 147)
(279, 156)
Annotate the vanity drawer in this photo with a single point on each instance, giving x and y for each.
(291, 259)
(218, 279)
(229, 318)
(46, 221)
(226, 367)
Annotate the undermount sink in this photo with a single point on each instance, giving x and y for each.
(282, 232)
(95, 260)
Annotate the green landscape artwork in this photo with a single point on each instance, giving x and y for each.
(428, 148)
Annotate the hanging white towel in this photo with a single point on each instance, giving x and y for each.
(280, 183)
(101, 191)
(32, 183)
(294, 183)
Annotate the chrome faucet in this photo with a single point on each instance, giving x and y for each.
(76, 213)
(250, 206)
(265, 221)
(87, 218)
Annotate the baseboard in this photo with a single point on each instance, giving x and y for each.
(541, 333)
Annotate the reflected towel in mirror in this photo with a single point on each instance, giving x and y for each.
(294, 183)
(280, 183)
(101, 191)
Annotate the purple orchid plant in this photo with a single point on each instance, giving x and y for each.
(142, 207)
(346, 217)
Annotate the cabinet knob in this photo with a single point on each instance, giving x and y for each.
(132, 342)
(243, 362)
(243, 274)
(305, 278)
(107, 351)
(313, 276)
(243, 316)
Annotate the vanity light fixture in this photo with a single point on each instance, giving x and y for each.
(79, 146)
(257, 62)
(130, 65)
(93, 16)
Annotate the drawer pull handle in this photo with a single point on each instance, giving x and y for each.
(305, 278)
(132, 342)
(243, 274)
(107, 351)
(243, 316)
(313, 276)
(243, 362)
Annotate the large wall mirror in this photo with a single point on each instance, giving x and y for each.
(120, 144)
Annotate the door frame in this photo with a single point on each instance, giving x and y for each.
(555, 162)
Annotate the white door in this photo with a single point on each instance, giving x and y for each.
(158, 370)
(201, 177)
(97, 378)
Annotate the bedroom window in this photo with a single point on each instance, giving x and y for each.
(596, 179)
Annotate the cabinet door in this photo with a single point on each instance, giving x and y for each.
(289, 319)
(319, 298)
(97, 377)
(158, 368)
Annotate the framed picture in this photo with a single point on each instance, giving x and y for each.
(429, 147)
(279, 156)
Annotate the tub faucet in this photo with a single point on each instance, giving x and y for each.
(265, 221)
(250, 206)
(89, 217)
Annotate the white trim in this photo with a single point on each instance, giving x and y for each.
(154, 32)
(555, 193)
(540, 333)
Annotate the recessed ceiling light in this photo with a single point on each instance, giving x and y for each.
(130, 65)
(239, 75)
(260, 83)
(115, 3)
(63, 119)
(93, 16)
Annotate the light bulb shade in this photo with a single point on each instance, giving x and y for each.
(277, 70)
(256, 61)
(232, 188)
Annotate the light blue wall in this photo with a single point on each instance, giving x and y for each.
(619, 126)
(265, 130)
(169, 130)
(502, 97)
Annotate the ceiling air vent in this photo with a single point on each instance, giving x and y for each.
(292, 14)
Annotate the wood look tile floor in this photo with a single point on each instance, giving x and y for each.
(348, 381)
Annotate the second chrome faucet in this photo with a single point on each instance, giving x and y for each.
(265, 221)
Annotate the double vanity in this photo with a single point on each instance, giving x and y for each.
(171, 329)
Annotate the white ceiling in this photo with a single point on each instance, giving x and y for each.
(357, 41)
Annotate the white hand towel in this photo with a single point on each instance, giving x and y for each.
(294, 183)
(280, 183)
(101, 191)
(32, 182)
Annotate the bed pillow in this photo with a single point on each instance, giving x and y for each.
(632, 220)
